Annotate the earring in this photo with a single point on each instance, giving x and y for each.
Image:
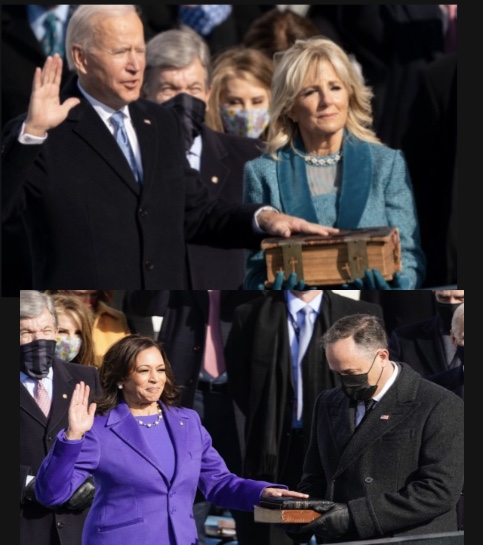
(120, 386)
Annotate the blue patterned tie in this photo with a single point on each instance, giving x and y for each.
(304, 340)
(120, 134)
(51, 42)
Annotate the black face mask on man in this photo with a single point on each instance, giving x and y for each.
(192, 113)
(357, 387)
(36, 357)
(446, 311)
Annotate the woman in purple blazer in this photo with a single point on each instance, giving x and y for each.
(147, 455)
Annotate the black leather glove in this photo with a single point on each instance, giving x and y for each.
(29, 492)
(336, 522)
(301, 533)
(82, 497)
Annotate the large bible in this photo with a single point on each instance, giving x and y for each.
(335, 259)
(289, 510)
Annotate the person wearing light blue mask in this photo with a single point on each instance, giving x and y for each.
(240, 93)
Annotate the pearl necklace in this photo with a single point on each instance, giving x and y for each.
(320, 161)
(156, 422)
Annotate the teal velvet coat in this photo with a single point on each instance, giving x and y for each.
(375, 191)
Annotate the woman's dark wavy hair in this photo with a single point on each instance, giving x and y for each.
(119, 362)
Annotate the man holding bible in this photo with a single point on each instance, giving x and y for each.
(387, 446)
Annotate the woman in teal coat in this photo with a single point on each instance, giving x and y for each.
(324, 163)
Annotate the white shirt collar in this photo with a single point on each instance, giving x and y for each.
(104, 111)
(389, 383)
(294, 304)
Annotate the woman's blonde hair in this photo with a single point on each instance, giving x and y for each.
(291, 69)
(242, 62)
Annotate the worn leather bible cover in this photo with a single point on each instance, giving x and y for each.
(335, 259)
(281, 516)
(286, 502)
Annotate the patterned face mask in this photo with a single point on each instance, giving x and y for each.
(67, 348)
(249, 123)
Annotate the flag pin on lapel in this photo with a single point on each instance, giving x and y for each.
(147, 121)
(384, 417)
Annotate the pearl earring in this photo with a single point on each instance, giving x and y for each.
(120, 386)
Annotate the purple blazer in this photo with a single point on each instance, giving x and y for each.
(134, 502)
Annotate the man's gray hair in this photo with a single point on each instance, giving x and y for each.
(458, 323)
(177, 48)
(33, 303)
(81, 25)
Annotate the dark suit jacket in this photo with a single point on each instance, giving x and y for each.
(21, 53)
(401, 472)
(39, 525)
(420, 345)
(392, 42)
(452, 379)
(259, 367)
(430, 145)
(223, 158)
(87, 219)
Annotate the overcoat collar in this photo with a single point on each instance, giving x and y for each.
(401, 400)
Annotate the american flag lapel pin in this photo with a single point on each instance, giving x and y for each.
(384, 417)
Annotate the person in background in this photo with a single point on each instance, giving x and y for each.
(430, 147)
(454, 380)
(323, 160)
(392, 43)
(178, 75)
(139, 201)
(110, 324)
(146, 454)
(74, 332)
(401, 307)
(275, 371)
(426, 345)
(46, 387)
(30, 33)
(454, 377)
(26, 41)
(240, 98)
(386, 446)
(218, 34)
(276, 30)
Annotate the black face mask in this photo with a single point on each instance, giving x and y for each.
(460, 350)
(192, 113)
(357, 387)
(36, 357)
(446, 311)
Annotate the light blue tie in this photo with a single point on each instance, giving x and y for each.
(120, 134)
(304, 340)
(51, 42)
